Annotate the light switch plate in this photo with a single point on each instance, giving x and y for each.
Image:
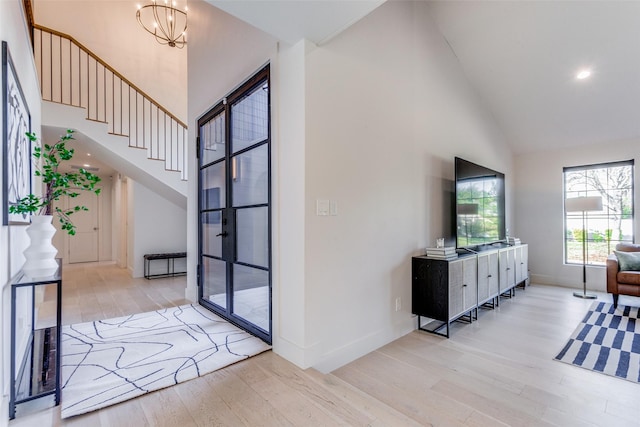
(333, 208)
(322, 207)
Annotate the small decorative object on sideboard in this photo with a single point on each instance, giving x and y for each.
(513, 241)
(442, 252)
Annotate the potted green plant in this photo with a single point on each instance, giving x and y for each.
(40, 255)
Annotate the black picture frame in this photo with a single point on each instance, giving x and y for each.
(16, 146)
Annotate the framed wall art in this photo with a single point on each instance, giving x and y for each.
(16, 146)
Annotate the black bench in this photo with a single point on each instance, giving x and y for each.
(170, 257)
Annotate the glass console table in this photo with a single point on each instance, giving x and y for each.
(35, 338)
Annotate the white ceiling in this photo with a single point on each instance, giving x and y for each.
(294, 20)
(83, 156)
(521, 56)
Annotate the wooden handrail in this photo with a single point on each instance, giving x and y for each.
(111, 69)
(28, 13)
(71, 74)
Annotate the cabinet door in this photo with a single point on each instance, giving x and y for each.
(429, 288)
(525, 261)
(507, 269)
(512, 268)
(517, 263)
(488, 273)
(456, 293)
(469, 283)
(483, 278)
(521, 262)
(494, 274)
(463, 286)
(503, 264)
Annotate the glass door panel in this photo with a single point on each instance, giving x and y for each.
(251, 299)
(250, 119)
(211, 234)
(212, 139)
(214, 281)
(250, 177)
(253, 236)
(212, 179)
(212, 199)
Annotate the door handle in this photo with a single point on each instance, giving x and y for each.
(223, 234)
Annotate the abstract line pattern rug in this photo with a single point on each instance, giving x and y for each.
(109, 361)
(607, 341)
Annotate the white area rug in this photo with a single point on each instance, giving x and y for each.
(109, 361)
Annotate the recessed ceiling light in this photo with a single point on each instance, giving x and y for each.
(86, 165)
(583, 74)
(88, 154)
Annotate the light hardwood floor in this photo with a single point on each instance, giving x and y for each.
(497, 371)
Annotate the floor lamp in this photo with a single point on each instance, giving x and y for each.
(584, 205)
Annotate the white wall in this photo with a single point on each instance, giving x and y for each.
(289, 162)
(386, 113)
(13, 239)
(110, 30)
(131, 225)
(539, 209)
(371, 120)
(120, 218)
(157, 226)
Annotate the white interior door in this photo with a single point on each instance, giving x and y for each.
(83, 247)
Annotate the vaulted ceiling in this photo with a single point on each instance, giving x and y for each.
(292, 21)
(522, 57)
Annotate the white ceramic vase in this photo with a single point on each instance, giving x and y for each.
(41, 254)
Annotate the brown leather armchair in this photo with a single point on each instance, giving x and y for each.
(622, 282)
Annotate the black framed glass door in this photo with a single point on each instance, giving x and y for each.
(234, 158)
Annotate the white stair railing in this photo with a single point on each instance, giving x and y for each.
(71, 74)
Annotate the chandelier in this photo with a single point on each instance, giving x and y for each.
(166, 23)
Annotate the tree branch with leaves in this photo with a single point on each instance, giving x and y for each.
(57, 184)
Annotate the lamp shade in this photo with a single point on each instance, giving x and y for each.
(467, 209)
(583, 204)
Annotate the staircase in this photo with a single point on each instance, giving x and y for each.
(124, 125)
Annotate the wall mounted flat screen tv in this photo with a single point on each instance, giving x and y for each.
(480, 205)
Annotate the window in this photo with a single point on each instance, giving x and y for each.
(600, 230)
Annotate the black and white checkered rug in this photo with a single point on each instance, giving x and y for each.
(607, 340)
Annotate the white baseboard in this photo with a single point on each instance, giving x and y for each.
(595, 282)
(331, 361)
